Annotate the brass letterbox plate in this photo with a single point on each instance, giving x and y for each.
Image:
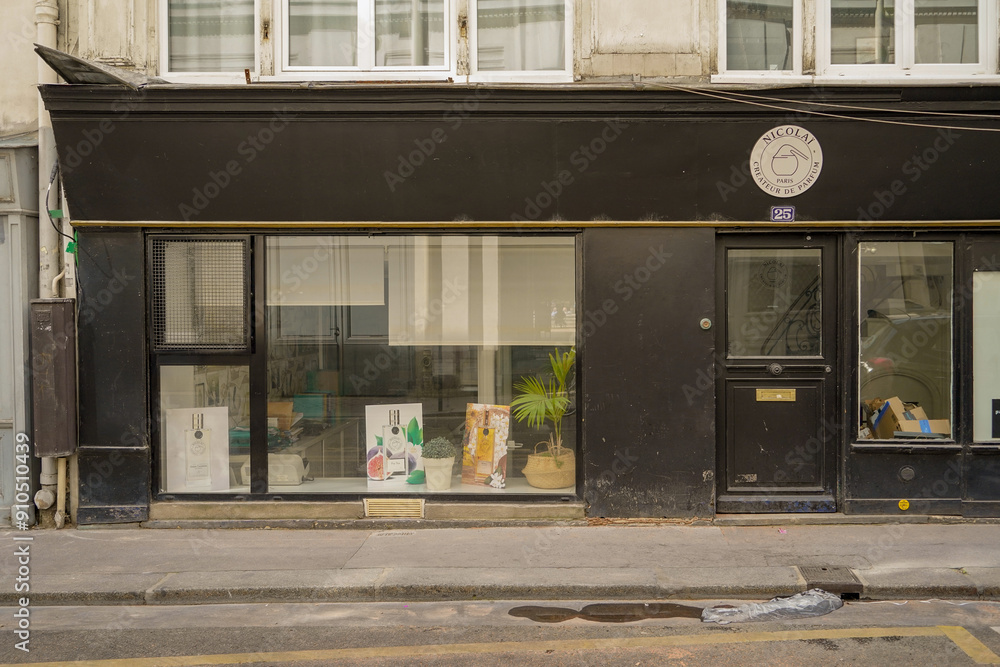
(776, 395)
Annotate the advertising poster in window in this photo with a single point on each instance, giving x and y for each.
(197, 450)
(394, 439)
(484, 450)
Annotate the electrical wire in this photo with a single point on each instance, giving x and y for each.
(48, 189)
(722, 96)
(851, 107)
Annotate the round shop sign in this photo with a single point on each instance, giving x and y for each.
(786, 161)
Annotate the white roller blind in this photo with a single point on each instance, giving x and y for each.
(458, 290)
(326, 271)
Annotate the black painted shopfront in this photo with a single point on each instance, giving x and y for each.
(733, 354)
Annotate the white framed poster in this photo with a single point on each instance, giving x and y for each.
(197, 450)
(394, 439)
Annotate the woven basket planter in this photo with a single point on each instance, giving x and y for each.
(542, 472)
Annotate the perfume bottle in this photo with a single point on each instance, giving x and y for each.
(485, 446)
(198, 468)
(394, 442)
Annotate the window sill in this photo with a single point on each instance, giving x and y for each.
(857, 79)
(763, 78)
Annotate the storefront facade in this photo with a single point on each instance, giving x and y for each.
(298, 270)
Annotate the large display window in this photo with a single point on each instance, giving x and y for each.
(378, 345)
(905, 364)
(375, 346)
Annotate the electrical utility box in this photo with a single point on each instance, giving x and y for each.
(53, 376)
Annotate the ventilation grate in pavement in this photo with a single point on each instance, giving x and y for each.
(837, 580)
(396, 508)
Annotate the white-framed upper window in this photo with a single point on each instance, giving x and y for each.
(530, 37)
(366, 39)
(873, 38)
(208, 36)
(761, 37)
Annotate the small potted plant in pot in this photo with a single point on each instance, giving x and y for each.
(538, 401)
(439, 459)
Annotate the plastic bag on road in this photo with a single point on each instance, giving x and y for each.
(814, 602)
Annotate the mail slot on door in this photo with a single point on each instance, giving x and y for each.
(776, 395)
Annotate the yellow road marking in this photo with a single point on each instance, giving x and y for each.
(959, 635)
(974, 648)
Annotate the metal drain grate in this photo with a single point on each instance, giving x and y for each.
(398, 508)
(837, 580)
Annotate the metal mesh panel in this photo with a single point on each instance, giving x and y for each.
(200, 292)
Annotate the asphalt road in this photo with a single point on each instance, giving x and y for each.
(487, 633)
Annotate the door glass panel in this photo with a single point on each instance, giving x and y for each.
(773, 302)
(905, 339)
(986, 355)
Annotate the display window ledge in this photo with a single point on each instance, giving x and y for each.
(361, 486)
(905, 447)
(236, 513)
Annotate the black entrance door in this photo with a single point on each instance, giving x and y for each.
(777, 386)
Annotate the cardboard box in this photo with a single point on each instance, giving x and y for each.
(282, 415)
(892, 416)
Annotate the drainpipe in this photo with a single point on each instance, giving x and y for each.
(49, 246)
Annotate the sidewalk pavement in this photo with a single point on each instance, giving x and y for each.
(554, 562)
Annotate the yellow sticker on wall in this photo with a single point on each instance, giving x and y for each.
(904, 505)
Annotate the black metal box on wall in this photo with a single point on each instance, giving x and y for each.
(53, 376)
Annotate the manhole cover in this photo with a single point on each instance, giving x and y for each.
(838, 580)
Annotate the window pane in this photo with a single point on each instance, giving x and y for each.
(905, 332)
(204, 428)
(210, 35)
(459, 321)
(986, 354)
(323, 33)
(409, 33)
(759, 35)
(862, 32)
(774, 302)
(521, 35)
(947, 31)
(200, 294)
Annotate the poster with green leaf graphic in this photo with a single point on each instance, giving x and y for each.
(394, 439)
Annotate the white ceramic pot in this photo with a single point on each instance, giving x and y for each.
(437, 473)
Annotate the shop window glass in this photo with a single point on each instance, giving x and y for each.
(986, 355)
(759, 35)
(905, 318)
(204, 429)
(370, 333)
(212, 36)
(521, 35)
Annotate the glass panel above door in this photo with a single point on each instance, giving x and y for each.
(774, 302)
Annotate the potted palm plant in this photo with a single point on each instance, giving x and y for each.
(439, 459)
(538, 401)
